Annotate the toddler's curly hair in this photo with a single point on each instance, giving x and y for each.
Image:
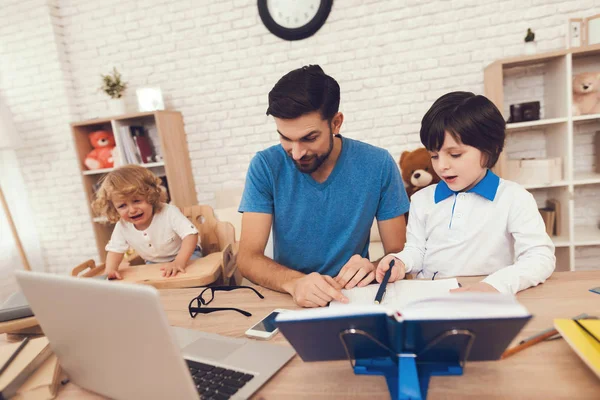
(128, 181)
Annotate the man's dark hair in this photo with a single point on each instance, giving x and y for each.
(470, 119)
(303, 91)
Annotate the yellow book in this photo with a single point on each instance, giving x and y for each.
(582, 342)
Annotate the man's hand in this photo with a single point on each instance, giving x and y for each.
(398, 271)
(358, 271)
(172, 269)
(315, 290)
(478, 287)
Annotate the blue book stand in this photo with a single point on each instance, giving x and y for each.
(407, 378)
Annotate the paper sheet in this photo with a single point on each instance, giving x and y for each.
(399, 293)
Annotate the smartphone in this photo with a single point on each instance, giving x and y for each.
(265, 329)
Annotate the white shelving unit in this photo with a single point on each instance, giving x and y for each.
(548, 78)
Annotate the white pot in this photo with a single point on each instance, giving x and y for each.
(117, 106)
(530, 48)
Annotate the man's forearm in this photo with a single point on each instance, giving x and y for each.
(267, 273)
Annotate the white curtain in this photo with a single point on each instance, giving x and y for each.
(13, 187)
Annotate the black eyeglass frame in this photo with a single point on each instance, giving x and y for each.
(194, 311)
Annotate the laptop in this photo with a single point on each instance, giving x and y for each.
(114, 339)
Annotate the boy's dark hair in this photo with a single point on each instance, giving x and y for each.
(471, 119)
(303, 91)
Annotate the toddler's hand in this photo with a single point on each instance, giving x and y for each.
(113, 275)
(172, 269)
(398, 272)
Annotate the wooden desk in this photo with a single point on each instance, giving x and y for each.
(548, 370)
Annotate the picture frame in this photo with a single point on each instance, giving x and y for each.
(575, 32)
(150, 99)
(592, 30)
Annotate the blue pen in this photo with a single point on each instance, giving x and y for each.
(384, 282)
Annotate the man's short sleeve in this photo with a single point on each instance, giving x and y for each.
(258, 192)
(393, 200)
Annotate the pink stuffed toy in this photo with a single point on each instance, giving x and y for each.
(101, 157)
(586, 87)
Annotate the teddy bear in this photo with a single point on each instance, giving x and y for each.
(103, 143)
(417, 170)
(586, 94)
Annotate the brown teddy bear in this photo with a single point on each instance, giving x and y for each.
(586, 98)
(417, 170)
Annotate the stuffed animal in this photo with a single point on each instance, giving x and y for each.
(417, 170)
(586, 87)
(103, 143)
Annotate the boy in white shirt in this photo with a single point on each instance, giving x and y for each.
(132, 198)
(472, 222)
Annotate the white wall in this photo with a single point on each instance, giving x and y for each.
(215, 62)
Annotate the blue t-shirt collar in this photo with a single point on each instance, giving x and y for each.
(486, 188)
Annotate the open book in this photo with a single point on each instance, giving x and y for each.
(399, 293)
(448, 306)
(494, 319)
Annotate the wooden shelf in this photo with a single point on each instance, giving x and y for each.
(530, 124)
(561, 241)
(587, 236)
(167, 133)
(533, 186)
(107, 170)
(588, 117)
(97, 171)
(586, 178)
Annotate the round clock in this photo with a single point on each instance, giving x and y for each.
(294, 19)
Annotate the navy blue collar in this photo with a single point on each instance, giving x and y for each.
(487, 188)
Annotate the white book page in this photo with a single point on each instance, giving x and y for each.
(399, 293)
(467, 305)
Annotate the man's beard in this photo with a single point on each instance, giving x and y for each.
(316, 162)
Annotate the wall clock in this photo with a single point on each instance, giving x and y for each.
(294, 19)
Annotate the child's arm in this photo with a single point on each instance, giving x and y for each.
(534, 250)
(113, 260)
(411, 258)
(188, 245)
(116, 248)
(189, 235)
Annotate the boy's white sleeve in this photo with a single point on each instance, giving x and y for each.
(179, 222)
(117, 243)
(414, 250)
(534, 250)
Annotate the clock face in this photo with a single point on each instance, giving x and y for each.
(294, 19)
(293, 14)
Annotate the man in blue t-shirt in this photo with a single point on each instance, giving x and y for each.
(319, 192)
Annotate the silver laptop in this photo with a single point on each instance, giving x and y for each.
(114, 339)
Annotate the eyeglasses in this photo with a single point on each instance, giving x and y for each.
(201, 301)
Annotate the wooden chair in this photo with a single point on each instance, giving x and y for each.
(218, 266)
(216, 236)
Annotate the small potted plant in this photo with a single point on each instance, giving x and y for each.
(114, 87)
(530, 45)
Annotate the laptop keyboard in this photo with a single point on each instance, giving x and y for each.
(216, 382)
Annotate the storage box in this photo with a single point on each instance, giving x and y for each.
(536, 171)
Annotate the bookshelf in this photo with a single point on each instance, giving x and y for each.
(166, 133)
(547, 78)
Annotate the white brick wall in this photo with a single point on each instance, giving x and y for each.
(35, 83)
(215, 62)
